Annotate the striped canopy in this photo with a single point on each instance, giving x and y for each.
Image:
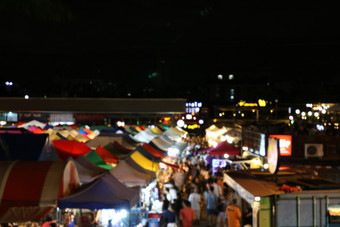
(29, 189)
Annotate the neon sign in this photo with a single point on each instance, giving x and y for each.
(285, 144)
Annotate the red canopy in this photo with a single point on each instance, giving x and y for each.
(70, 148)
(154, 151)
(224, 148)
(107, 156)
(29, 190)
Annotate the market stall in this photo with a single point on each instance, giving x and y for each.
(29, 189)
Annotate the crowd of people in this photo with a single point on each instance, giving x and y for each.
(192, 195)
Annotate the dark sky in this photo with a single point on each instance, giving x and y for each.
(127, 40)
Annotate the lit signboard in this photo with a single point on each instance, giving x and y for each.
(218, 163)
(273, 155)
(255, 141)
(285, 144)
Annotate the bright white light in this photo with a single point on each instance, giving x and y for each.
(257, 162)
(201, 121)
(257, 199)
(173, 152)
(120, 123)
(320, 127)
(188, 116)
(310, 105)
(310, 113)
(245, 148)
(123, 213)
(316, 114)
(323, 111)
(303, 114)
(297, 111)
(266, 166)
(9, 83)
(231, 77)
(291, 117)
(226, 156)
(162, 165)
(220, 76)
(215, 143)
(220, 114)
(289, 110)
(2, 123)
(180, 123)
(10, 113)
(27, 97)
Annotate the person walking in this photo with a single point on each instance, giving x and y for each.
(187, 214)
(195, 200)
(233, 214)
(211, 200)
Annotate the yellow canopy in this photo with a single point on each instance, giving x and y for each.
(144, 162)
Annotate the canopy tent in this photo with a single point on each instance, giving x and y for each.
(128, 142)
(144, 136)
(156, 130)
(28, 147)
(157, 148)
(180, 146)
(148, 154)
(102, 140)
(153, 151)
(36, 130)
(161, 143)
(29, 190)
(126, 150)
(75, 135)
(174, 133)
(138, 167)
(87, 170)
(224, 148)
(114, 150)
(95, 158)
(70, 148)
(129, 176)
(166, 139)
(33, 123)
(131, 130)
(102, 193)
(107, 156)
(144, 162)
(49, 152)
(103, 128)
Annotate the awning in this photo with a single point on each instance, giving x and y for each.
(29, 190)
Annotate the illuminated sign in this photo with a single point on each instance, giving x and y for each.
(194, 126)
(285, 144)
(245, 104)
(218, 163)
(273, 155)
(193, 107)
(262, 102)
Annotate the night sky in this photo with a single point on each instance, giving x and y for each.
(129, 43)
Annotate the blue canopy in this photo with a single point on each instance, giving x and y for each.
(104, 192)
(25, 147)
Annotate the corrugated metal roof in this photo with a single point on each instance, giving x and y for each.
(253, 185)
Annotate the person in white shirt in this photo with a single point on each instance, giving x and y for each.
(195, 200)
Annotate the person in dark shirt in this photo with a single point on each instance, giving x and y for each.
(169, 214)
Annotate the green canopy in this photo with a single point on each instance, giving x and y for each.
(114, 150)
(94, 157)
